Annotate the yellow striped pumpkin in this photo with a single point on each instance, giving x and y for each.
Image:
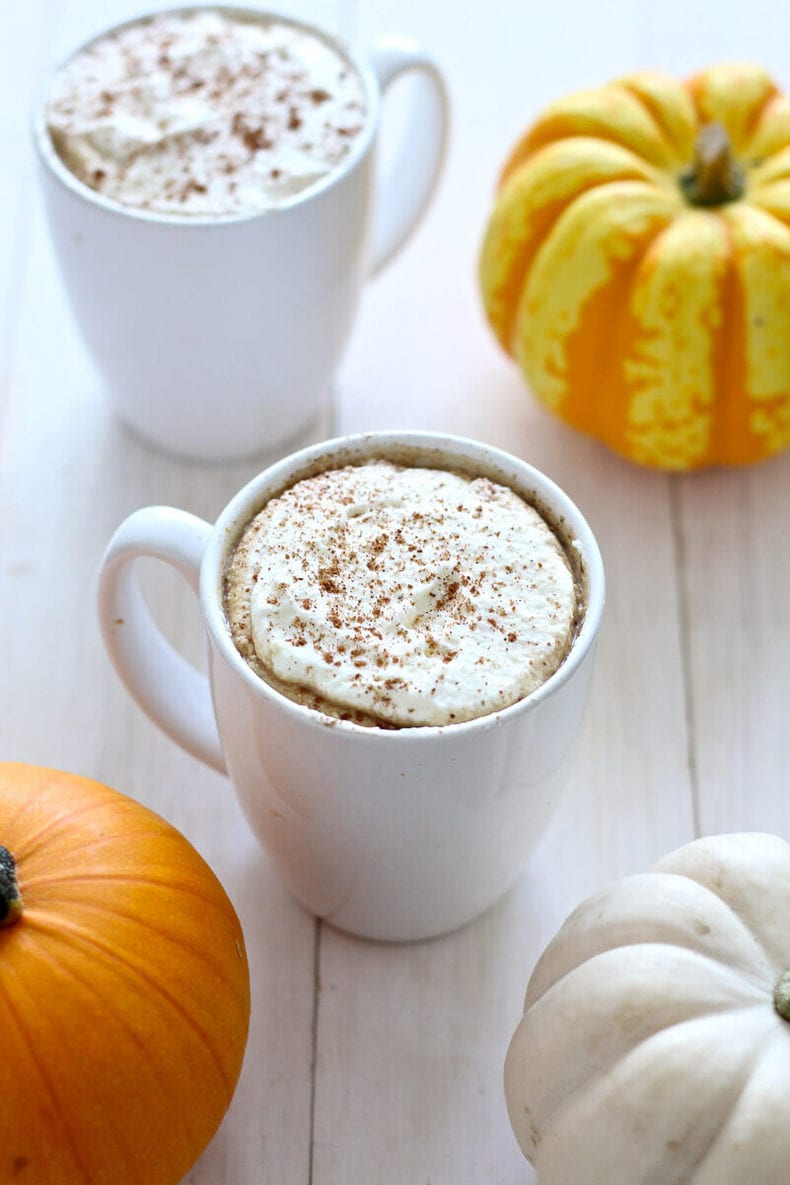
(636, 265)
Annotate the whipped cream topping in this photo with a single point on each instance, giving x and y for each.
(408, 596)
(200, 113)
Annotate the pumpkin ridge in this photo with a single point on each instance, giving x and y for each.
(737, 978)
(605, 137)
(64, 820)
(664, 445)
(93, 796)
(764, 199)
(769, 170)
(523, 237)
(755, 119)
(761, 980)
(769, 962)
(141, 974)
(591, 112)
(36, 918)
(601, 1072)
(729, 859)
(618, 335)
(64, 881)
(653, 111)
(730, 418)
(31, 842)
(26, 786)
(520, 276)
(761, 254)
(581, 412)
(722, 1125)
(164, 833)
(762, 986)
(577, 941)
(726, 354)
(558, 123)
(770, 136)
(107, 1003)
(706, 92)
(45, 1080)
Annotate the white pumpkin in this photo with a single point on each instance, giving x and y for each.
(655, 1045)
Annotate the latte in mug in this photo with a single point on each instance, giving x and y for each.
(396, 831)
(399, 596)
(205, 112)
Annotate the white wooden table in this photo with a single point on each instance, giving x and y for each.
(368, 1063)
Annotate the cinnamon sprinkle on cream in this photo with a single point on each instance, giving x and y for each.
(243, 112)
(401, 596)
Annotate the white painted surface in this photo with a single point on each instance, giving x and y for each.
(371, 1063)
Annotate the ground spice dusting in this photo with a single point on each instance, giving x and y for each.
(243, 112)
(382, 589)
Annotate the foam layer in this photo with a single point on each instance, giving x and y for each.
(200, 114)
(406, 596)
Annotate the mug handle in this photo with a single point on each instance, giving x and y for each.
(409, 185)
(167, 687)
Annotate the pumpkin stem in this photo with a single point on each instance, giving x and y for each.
(714, 176)
(10, 897)
(782, 996)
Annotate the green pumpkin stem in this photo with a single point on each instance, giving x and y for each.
(714, 177)
(782, 996)
(10, 897)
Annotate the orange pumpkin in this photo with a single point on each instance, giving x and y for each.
(637, 265)
(124, 988)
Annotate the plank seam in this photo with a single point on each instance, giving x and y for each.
(684, 627)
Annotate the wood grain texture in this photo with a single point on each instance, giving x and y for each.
(370, 1062)
(736, 576)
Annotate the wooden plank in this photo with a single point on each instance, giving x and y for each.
(411, 1039)
(22, 51)
(730, 523)
(69, 475)
(737, 573)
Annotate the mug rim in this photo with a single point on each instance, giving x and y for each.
(59, 170)
(355, 446)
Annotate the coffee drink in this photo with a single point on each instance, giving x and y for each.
(387, 579)
(206, 113)
(401, 596)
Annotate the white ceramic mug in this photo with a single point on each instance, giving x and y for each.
(217, 337)
(388, 833)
